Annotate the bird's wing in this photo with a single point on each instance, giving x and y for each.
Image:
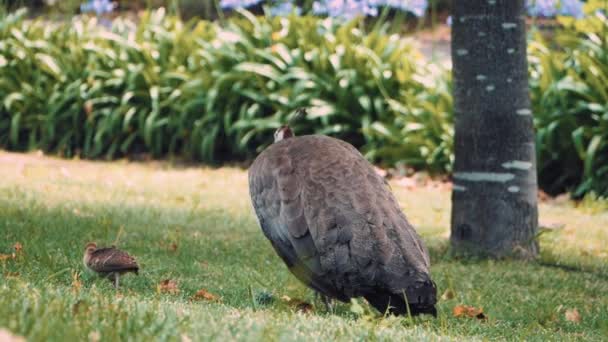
(110, 259)
(277, 198)
(370, 196)
(399, 246)
(343, 214)
(325, 210)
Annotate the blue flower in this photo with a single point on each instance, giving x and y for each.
(97, 6)
(573, 8)
(352, 8)
(284, 9)
(416, 7)
(541, 8)
(552, 8)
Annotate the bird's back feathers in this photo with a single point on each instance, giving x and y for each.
(333, 220)
(110, 259)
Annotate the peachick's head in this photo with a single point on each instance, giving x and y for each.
(90, 247)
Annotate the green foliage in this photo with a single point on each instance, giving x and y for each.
(570, 96)
(211, 93)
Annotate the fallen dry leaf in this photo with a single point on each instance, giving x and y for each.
(572, 315)
(297, 304)
(447, 295)
(11, 274)
(203, 294)
(18, 247)
(168, 286)
(469, 311)
(7, 336)
(173, 247)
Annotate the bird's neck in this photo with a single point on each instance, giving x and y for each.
(86, 258)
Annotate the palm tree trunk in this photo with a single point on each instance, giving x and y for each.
(494, 200)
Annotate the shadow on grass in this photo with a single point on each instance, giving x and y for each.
(440, 251)
(548, 260)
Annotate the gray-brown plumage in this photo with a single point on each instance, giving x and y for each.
(109, 262)
(337, 226)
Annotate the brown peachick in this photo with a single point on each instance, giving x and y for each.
(109, 262)
(337, 226)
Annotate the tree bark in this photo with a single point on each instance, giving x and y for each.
(494, 198)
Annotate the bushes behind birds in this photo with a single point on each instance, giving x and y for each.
(212, 92)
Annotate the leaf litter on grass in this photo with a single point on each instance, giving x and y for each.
(18, 250)
(572, 315)
(203, 294)
(297, 304)
(168, 286)
(469, 312)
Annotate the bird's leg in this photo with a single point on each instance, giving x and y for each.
(329, 304)
(116, 280)
(329, 307)
(111, 277)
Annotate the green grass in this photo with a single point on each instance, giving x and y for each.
(53, 207)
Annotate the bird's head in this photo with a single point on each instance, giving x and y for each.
(90, 247)
(422, 297)
(285, 132)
